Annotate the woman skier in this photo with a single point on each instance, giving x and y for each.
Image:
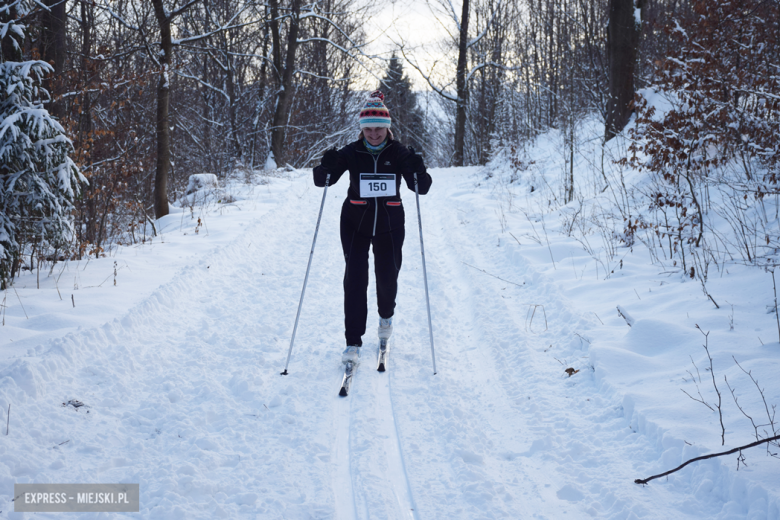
(372, 215)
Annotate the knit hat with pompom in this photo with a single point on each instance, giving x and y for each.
(374, 113)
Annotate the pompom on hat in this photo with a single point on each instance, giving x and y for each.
(374, 113)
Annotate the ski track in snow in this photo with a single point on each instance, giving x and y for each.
(506, 416)
(342, 476)
(379, 465)
(185, 396)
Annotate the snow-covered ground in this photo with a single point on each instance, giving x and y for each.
(178, 365)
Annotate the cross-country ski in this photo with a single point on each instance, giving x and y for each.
(346, 381)
(382, 355)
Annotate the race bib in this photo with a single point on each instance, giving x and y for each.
(377, 185)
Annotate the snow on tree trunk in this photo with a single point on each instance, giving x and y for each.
(462, 87)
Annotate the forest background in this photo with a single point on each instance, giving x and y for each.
(138, 95)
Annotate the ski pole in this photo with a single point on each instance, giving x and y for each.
(306, 279)
(425, 274)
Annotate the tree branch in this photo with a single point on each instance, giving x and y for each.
(114, 15)
(454, 14)
(436, 89)
(487, 27)
(199, 37)
(712, 373)
(704, 457)
(183, 8)
(475, 68)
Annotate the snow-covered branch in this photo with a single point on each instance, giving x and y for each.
(454, 14)
(427, 78)
(476, 68)
(487, 27)
(312, 74)
(104, 5)
(181, 9)
(333, 24)
(204, 83)
(199, 37)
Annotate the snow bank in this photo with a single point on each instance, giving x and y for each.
(649, 366)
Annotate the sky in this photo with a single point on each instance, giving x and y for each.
(420, 27)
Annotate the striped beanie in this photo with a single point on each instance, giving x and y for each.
(374, 113)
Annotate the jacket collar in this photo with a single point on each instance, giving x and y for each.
(362, 148)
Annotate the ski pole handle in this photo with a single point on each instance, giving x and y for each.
(306, 279)
(425, 273)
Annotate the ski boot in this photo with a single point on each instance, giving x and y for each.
(385, 328)
(351, 354)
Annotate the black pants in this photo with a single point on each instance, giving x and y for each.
(387, 264)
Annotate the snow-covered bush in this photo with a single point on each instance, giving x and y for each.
(38, 180)
(201, 181)
(709, 126)
(202, 188)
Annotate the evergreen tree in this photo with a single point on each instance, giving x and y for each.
(401, 100)
(38, 180)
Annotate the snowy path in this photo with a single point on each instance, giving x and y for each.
(186, 398)
(509, 434)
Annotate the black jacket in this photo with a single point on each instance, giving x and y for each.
(374, 215)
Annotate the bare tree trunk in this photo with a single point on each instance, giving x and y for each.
(228, 66)
(284, 95)
(622, 46)
(463, 93)
(238, 151)
(85, 123)
(261, 88)
(163, 97)
(54, 42)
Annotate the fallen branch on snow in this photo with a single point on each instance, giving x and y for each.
(625, 315)
(494, 276)
(703, 457)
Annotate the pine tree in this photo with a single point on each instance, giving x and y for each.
(401, 100)
(38, 180)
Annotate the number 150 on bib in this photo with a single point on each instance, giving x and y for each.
(377, 185)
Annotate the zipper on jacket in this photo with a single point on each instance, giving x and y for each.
(376, 200)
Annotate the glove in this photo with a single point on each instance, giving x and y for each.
(330, 160)
(415, 162)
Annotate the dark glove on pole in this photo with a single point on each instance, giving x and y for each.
(415, 162)
(330, 160)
